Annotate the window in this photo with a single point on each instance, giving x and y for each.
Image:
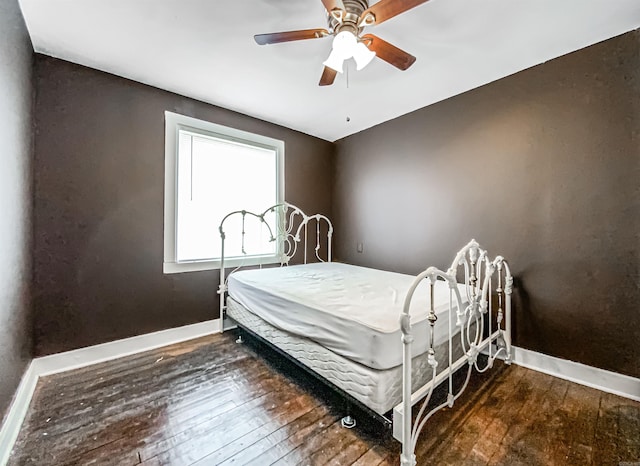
(211, 170)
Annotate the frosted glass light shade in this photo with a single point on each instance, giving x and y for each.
(345, 43)
(334, 61)
(362, 55)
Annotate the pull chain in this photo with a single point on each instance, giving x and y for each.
(347, 66)
(348, 119)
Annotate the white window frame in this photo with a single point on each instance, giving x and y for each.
(173, 124)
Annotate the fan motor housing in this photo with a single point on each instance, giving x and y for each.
(354, 10)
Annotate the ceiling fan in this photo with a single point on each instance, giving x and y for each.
(347, 20)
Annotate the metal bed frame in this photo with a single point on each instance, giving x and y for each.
(484, 327)
(479, 276)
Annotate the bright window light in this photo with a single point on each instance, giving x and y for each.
(218, 170)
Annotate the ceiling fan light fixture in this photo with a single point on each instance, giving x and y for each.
(362, 55)
(344, 45)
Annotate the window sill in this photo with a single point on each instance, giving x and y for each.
(199, 266)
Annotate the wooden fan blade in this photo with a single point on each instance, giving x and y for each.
(388, 52)
(387, 9)
(333, 4)
(277, 37)
(328, 76)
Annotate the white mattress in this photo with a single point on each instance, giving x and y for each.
(352, 311)
(380, 390)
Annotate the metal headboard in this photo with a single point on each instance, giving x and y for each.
(291, 232)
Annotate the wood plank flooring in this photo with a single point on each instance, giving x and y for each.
(211, 401)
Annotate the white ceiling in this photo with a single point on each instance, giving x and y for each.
(205, 49)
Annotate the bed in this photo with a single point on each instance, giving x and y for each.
(383, 338)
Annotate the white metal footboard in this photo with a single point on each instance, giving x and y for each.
(480, 275)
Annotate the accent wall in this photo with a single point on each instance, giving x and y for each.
(99, 206)
(542, 167)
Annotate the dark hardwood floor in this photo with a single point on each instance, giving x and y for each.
(211, 401)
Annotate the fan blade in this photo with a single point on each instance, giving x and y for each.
(389, 53)
(331, 5)
(387, 9)
(335, 8)
(328, 76)
(277, 37)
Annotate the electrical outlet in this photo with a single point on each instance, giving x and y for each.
(360, 247)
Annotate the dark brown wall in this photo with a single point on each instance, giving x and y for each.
(16, 58)
(99, 194)
(542, 167)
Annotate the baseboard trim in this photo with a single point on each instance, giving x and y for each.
(606, 381)
(17, 411)
(82, 357)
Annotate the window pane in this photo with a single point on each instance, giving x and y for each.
(215, 177)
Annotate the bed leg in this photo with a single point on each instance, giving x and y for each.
(348, 422)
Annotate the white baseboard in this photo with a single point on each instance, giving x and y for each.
(82, 357)
(606, 381)
(17, 411)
